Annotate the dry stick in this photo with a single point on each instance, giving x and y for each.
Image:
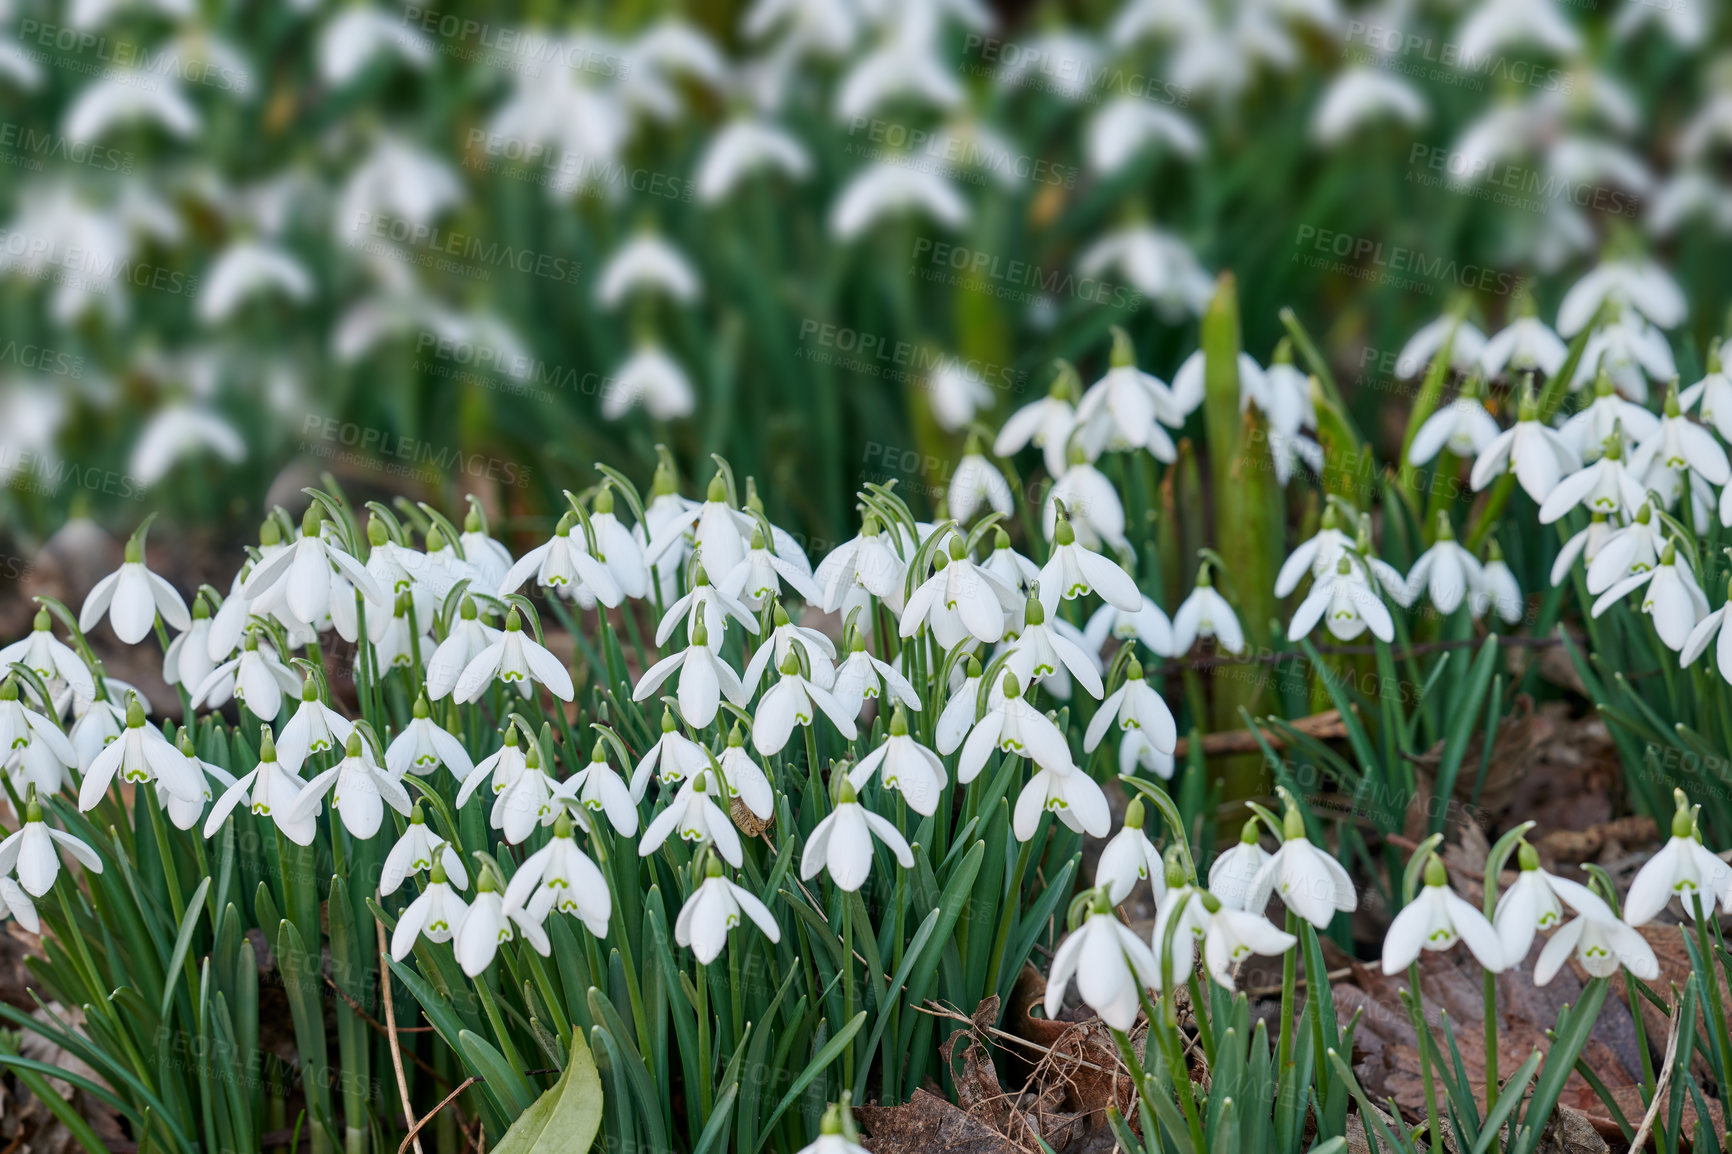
(416, 1128)
(391, 1032)
(938, 1010)
(1641, 1137)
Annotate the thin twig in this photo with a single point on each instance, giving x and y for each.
(937, 1010)
(1660, 1084)
(391, 1033)
(416, 1128)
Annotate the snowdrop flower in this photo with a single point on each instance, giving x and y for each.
(647, 263)
(1205, 613)
(1135, 705)
(831, 1139)
(1463, 427)
(1466, 344)
(1446, 571)
(433, 915)
(358, 33)
(1066, 791)
(564, 564)
(256, 677)
(527, 801)
(758, 577)
(815, 651)
(1640, 285)
(1110, 965)
(887, 188)
(862, 677)
(1233, 876)
(1012, 725)
(902, 69)
(178, 430)
(977, 481)
(131, 597)
(1599, 940)
(1711, 396)
(1126, 125)
(1316, 555)
(1499, 589)
(1363, 94)
(959, 600)
(424, 746)
(795, 700)
(1585, 544)
(270, 791)
(1346, 603)
(560, 876)
(1672, 599)
(698, 819)
(1126, 407)
(1528, 906)
(1684, 869)
(306, 572)
(1608, 416)
(1706, 630)
(123, 97)
(417, 850)
(489, 922)
(715, 527)
(187, 660)
(704, 679)
(516, 660)
(1074, 571)
(960, 713)
(1061, 61)
(1606, 486)
(1524, 345)
(1538, 455)
(1435, 920)
(1679, 444)
(248, 268)
(957, 391)
(52, 659)
(1148, 625)
(743, 146)
(140, 754)
(1041, 652)
(1627, 551)
(359, 791)
(30, 852)
(651, 376)
(1130, 857)
(1631, 352)
(22, 728)
(744, 778)
(841, 843)
(599, 789)
(466, 641)
(1310, 882)
(1090, 499)
(1282, 393)
(715, 908)
(905, 766)
(1228, 935)
(1156, 264)
(1046, 424)
(866, 562)
(315, 728)
(1500, 23)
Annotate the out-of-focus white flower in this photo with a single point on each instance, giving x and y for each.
(1524, 344)
(653, 378)
(977, 480)
(357, 33)
(1346, 602)
(1149, 625)
(398, 181)
(903, 69)
(821, 27)
(123, 97)
(1631, 352)
(1498, 589)
(1188, 382)
(1684, 22)
(1046, 424)
(957, 391)
(1641, 285)
(1463, 427)
(1205, 613)
(1156, 264)
(887, 188)
(1126, 125)
(182, 429)
(1061, 61)
(647, 263)
(1501, 23)
(744, 146)
(1360, 95)
(1446, 572)
(1466, 344)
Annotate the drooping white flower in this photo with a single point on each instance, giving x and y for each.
(515, 659)
(1446, 572)
(1527, 907)
(1346, 602)
(1087, 496)
(424, 746)
(131, 597)
(1111, 966)
(488, 923)
(647, 263)
(1466, 344)
(357, 33)
(1606, 486)
(1524, 345)
(1126, 125)
(1678, 445)
(956, 391)
(1435, 920)
(1074, 571)
(1630, 351)
(127, 96)
(1707, 630)
(888, 188)
(560, 876)
(1134, 707)
(1046, 424)
(694, 813)
(1538, 455)
(1462, 426)
(503, 766)
(307, 572)
(795, 700)
(1067, 792)
(434, 915)
(1148, 625)
(1155, 263)
(977, 481)
(528, 801)
(861, 677)
(1205, 613)
(760, 575)
(1641, 285)
(742, 147)
(1711, 396)
(1584, 544)
(31, 852)
(1310, 882)
(51, 658)
(1599, 940)
(269, 791)
(1670, 597)
(1227, 935)
(23, 731)
(1684, 869)
(704, 679)
(1233, 875)
(314, 728)
(904, 765)
(140, 754)
(744, 778)
(869, 563)
(960, 713)
(959, 600)
(256, 677)
(1130, 857)
(841, 843)
(359, 791)
(715, 908)
(1361, 95)
(598, 789)
(1011, 725)
(651, 377)
(246, 269)
(417, 850)
(1498, 589)
(1627, 551)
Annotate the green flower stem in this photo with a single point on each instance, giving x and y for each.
(1706, 948)
(705, 1090)
(847, 985)
(1419, 1029)
(1289, 990)
(1491, 1086)
(180, 687)
(1013, 901)
(633, 991)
